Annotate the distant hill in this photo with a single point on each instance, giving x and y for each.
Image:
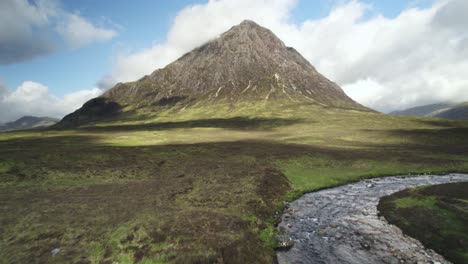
(245, 66)
(442, 110)
(28, 122)
(459, 112)
(425, 110)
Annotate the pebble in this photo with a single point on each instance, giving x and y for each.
(55, 251)
(365, 246)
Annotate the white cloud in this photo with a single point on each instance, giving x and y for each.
(79, 32)
(418, 57)
(34, 99)
(28, 29)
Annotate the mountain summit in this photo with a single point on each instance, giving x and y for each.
(248, 64)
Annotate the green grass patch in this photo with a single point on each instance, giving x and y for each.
(6, 166)
(408, 202)
(440, 209)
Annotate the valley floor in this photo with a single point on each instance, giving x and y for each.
(198, 185)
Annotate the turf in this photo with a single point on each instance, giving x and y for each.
(200, 185)
(442, 209)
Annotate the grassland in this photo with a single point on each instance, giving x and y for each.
(200, 185)
(436, 215)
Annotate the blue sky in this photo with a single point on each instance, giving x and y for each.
(124, 40)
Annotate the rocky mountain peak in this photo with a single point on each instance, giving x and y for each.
(246, 64)
(250, 33)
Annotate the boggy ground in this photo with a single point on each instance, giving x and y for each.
(442, 209)
(197, 186)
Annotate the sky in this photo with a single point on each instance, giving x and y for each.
(388, 55)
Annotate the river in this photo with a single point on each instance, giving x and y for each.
(341, 225)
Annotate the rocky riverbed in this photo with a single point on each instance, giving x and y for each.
(341, 225)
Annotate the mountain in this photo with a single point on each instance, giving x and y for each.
(28, 122)
(425, 110)
(459, 112)
(443, 110)
(247, 65)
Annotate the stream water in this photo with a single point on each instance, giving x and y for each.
(341, 225)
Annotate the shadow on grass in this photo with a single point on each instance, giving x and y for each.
(235, 123)
(440, 122)
(445, 140)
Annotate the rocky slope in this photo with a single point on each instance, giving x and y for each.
(28, 122)
(247, 64)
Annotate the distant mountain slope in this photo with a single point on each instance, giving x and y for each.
(246, 65)
(28, 122)
(425, 110)
(443, 110)
(459, 112)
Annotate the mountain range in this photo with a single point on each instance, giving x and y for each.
(442, 110)
(28, 122)
(246, 66)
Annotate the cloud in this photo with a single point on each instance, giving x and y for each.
(78, 32)
(3, 89)
(452, 15)
(32, 98)
(390, 64)
(19, 39)
(417, 57)
(30, 28)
